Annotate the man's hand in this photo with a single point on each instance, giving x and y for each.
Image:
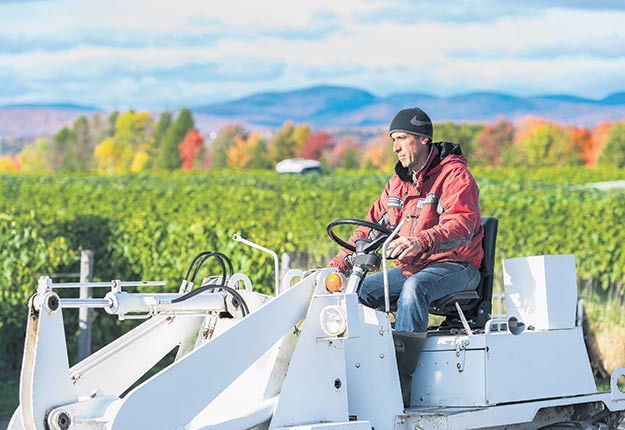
(404, 247)
(340, 264)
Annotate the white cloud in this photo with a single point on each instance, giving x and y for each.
(152, 53)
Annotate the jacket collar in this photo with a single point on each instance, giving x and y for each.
(438, 152)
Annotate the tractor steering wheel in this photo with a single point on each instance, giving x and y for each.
(373, 246)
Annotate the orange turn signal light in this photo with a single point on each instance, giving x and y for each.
(334, 282)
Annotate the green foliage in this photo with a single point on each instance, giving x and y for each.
(150, 227)
(225, 139)
(287, 142)
(259, 156)
(465, 134)
(613, 154)
(169, 155)
(351, 159)
(163, 124)
(37, 157)
(549, 145)
(9, 389)
(82, 159)
(111, 120)
(63, 145)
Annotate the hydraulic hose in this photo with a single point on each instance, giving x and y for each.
(223, 261)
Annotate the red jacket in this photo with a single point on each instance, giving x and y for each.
(443, 206)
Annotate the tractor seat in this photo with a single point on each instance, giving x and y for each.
(475, 304)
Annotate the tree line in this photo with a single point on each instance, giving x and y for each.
(133, 142)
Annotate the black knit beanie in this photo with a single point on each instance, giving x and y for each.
(413, 121)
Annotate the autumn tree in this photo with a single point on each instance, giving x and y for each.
(492, 141)
(136, 131)
(226, 137)
(169, 155)
(613, 154)
(581, 140)
(378, 153)
(287, 142)
(315, 144)
(190, 149)
(344, 154)
(9, 164)
(248, 153)
(549, 144)
(36, 157)
(112, 158)
(598, 137)
(128, 149)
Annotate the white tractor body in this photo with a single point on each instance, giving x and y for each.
(310, 359)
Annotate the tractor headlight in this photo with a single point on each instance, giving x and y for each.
(333, 320)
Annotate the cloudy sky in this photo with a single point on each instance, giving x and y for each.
(156, 54)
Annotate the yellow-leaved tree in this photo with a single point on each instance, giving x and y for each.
(246, 152)
(9, 164)
(128, 149)
(288, 141)
(37, 157)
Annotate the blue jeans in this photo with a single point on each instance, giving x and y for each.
(414, 294)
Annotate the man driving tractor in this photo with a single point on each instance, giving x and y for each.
(438, 249)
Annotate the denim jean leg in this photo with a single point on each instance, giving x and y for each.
(371, 291)
(432, 283)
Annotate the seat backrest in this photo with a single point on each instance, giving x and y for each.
(476, 304)
(487, 268)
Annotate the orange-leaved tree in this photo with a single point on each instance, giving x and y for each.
(248, 152)
(9, 164)
(378, 153)
(598, 137)
(580, 140)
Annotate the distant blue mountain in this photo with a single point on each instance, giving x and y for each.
(316, 105)
(615, 99)
(336, 108)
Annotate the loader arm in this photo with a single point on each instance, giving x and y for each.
(178, 393)
(45, 380)
(57, 398)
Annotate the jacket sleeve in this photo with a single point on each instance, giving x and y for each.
(460, 217)
(377, 215)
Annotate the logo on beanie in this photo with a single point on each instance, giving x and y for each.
(415, 121)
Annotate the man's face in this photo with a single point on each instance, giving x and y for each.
(411, 150)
